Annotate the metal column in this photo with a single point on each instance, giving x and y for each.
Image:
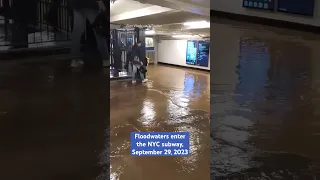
(141, 36)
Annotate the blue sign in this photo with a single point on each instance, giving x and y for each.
(203, 53)
(191, 55)
(160, 143)
(302, 7)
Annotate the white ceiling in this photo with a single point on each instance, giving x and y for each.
(122, 6)
(170, 14)
(171, 17)
(201, 7)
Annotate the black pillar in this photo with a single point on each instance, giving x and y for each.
(141, 36)
(116, 53)
(5, 11)
(24, 14)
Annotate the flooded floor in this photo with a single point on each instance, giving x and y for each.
(265, 103)
(52, 122)
(264, 93)
(174, 99)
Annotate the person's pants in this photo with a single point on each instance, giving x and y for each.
(79, 27)
(134, 71)
(145, 73)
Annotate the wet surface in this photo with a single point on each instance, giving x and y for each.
(52, 122)
(265, 103)
(173, 100)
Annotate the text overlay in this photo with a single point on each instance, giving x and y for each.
(160, 143)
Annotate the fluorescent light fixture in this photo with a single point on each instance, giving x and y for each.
(197, 25)
(184, 36)
(151, 32)
(112, 2)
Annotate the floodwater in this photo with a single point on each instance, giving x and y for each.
(265, 103)
(173, 100)
(52, 122)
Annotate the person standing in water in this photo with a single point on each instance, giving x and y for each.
(137, 63)
(83, 10)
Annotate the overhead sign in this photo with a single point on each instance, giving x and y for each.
(259, 4)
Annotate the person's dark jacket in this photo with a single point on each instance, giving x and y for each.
(144, 61)
(102, 24)
(136, 53)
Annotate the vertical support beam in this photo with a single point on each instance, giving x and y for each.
(6, 10)
(24, 14)
(136, 38)
(155, 44)
(117, 51)
(142, 38)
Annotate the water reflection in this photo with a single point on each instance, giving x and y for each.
(148, 113)
(263, 128)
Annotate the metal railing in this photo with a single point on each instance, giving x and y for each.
(48, 26)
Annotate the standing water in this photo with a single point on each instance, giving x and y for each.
(265, 103)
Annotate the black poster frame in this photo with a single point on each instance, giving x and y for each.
(296, 13)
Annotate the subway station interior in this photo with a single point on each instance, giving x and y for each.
(176, 97)
(154, 25)
(243, 77)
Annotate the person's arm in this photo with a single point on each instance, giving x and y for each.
(101, 5)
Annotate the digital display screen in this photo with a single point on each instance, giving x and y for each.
(203, 53)
(301, 7)
(191, 54)
(259, 4)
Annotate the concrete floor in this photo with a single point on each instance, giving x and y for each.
(174, 99)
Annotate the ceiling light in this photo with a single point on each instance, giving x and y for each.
(197, 25)
(184, 36)
(151, 32)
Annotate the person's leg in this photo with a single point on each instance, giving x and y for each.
(79, 23)
(141, 76)
(144, 74)
(134, 71)
(103, 49)
(101, 40)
